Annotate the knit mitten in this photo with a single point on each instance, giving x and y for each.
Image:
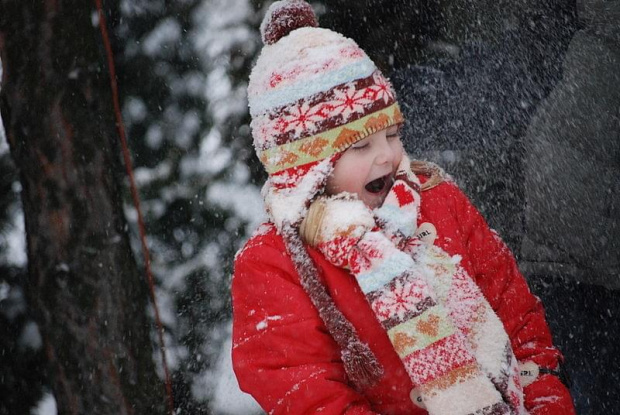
(398, 215)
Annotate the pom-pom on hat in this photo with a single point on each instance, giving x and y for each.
(312, 94)
(285, 16)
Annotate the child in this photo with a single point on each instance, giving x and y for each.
(376, 288)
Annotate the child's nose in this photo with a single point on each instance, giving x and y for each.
(386, 153)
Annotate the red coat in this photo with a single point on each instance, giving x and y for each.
(285, 358)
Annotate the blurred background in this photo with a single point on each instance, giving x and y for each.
(519, 101)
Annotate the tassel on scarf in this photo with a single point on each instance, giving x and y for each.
(360, 364)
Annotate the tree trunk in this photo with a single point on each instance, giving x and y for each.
(84, 286)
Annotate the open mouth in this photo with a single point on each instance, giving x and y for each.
(379, 185)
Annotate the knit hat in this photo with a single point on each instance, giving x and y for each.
(312, 94)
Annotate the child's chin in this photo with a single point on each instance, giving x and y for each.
(373, 200)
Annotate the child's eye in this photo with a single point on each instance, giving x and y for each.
(396, 133)
(359, 147)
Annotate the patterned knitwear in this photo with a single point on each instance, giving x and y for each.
(451, 343)
(312, 94)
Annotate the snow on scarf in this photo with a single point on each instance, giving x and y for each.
(451, 343)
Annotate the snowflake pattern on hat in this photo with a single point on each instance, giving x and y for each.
(313, 92)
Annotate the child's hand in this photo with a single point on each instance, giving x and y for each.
(397, 216)
(339, 216)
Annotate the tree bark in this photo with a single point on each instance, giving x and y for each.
(89, 298)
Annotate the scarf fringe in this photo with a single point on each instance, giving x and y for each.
(361, 366)
(360, 363)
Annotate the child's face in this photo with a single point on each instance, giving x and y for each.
(367, 168)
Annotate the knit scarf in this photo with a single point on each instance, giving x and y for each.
(452, 344)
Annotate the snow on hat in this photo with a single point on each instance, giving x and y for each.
(312, 94)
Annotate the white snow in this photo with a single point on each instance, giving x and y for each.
(134, 110)
(224, 100)
(174, 277)
(212, 157)
(46, 406)
(263, 229)
(244, 200)
(191, 83)
(186, 129)
(165, 303)
(220, 28)
(296, 386)
(164, 36)
(175, 354)
(297, 80)
(131, 8)
(30, 336)
(5, 290)
(4, 145)
(62, 267)
(218, 84)
(541, 401)
(221, 32)
(273, 10)
(145, 176)
(344, 212)
(263, 324)
(94, 18)
(545, 399)
(13, 239)
(14, 301)
(154, 136)
(222, 387)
